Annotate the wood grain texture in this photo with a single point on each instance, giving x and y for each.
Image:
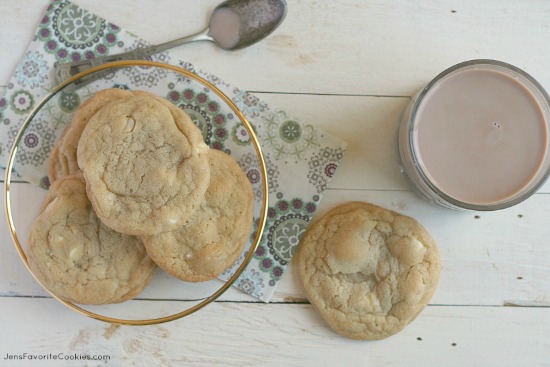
(496, 258)
(374, 47)
(279, 335)
(347, 67)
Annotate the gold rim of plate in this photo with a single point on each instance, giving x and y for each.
(263, 214)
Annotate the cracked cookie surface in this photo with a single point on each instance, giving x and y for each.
(145, 165)
(216, 234)
(367, 270)
(63, 161)
(80, 259)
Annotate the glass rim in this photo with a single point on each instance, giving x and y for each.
(262, 166)
(415, 156)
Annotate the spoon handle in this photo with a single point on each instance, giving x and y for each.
(63, 71)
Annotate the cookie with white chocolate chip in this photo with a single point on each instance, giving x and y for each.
(212, 240)
(368, 271)
(63, 161)
(80, 259)
(145, 165)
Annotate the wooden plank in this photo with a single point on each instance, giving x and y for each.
(232, 334)
(369, 126)
(377, 47)
(493, 258)
(323, 63)
(490, 258)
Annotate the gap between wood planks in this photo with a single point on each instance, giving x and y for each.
(2, 177)
(291, 301)
(330, 94)
(328, 189)
(309, 93)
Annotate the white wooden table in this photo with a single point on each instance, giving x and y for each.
(348, 67)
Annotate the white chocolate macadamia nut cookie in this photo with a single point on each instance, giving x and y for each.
(367, 270)
(214, 237)
(80, 259)
(145, 165)
(63, 161)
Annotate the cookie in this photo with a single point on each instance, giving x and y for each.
(367, 270)
(145, 165)
(63, 161)
(214, 237)
(77, 257)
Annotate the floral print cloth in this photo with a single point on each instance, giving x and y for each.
(300, 158)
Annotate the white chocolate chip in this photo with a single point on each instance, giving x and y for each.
(350, 249)
(130, 124)
(56, 240)
(409, 250)
(201, 149)
(123, 124)
(52, 203)
(110, 197)
(76, 253)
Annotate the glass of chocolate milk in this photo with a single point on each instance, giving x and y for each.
(477, 137)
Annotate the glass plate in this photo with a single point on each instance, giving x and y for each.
(209, 108)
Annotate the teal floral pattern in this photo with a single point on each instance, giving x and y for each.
(32, 71)
(251, 167)
(300, 159)
(182, 79)
(68, 102)
(322, 166)
(205, 113)
(290, 131)
(71, 33)
(77, 28)
(3, 106)
(240, 135)
(286, 223)
(248, 104)
(288, 138)
(146, 76)
(285, 237)
(37, 144)
(252, 283)
(21, 102)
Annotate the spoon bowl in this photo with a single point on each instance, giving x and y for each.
(256, 19)
(234, 24)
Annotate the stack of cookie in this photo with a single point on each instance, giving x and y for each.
(135, 186)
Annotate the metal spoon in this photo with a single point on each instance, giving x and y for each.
(234, 24)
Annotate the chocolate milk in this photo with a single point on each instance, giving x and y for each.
(480, 136)
(225, 27)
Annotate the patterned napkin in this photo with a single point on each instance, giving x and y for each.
(300, 159)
